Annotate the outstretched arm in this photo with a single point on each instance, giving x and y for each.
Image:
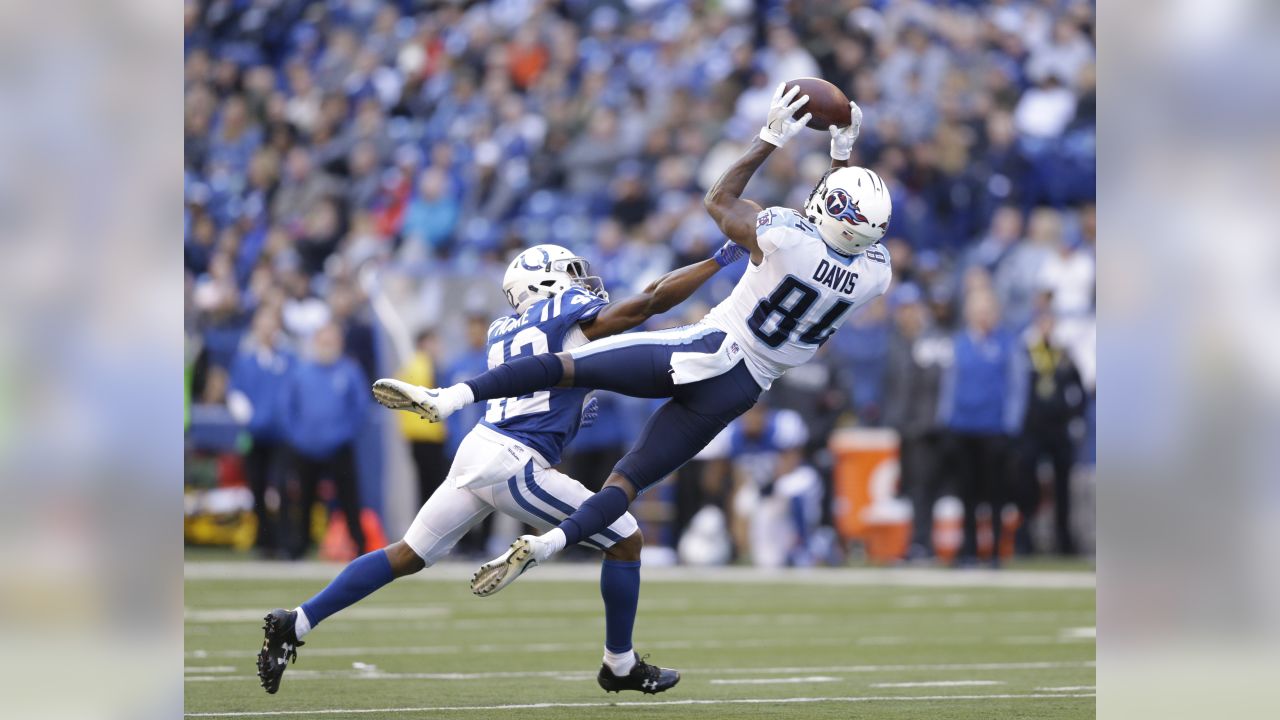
(662, 294)
(735, 216)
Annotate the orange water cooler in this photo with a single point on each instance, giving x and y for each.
(865, 486)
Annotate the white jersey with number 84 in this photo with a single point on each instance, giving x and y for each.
(783, 309)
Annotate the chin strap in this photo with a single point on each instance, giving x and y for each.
(528, 297)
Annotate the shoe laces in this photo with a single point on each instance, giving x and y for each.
(650, 672)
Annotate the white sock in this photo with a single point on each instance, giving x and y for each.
(553, 540)
(302, 625)
(620, 663)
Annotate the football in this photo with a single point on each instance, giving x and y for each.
(826, 101)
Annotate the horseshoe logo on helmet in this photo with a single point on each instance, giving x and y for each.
(546, 260)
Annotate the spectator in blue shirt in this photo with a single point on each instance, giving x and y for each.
(980, 404)
(232, 143)
(777, 500)
(257, 374)
(324, 404)
(432, 215)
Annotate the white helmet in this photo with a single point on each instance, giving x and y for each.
(544, 271)
(851, 209)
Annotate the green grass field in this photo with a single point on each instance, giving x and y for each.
(825, 644)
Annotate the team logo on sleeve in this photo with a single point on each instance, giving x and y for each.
(841, 207)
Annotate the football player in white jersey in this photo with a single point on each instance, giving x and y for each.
(809, 270)
(506, 463)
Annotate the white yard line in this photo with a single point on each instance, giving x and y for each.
(775, 681)
(738, 701)
(1078, 633)
(209, 669)
(948, 600)
(1067, 689)
(298, 675)
(886, 640)
(579, 674)
(937, 683)
(552, 647)
(544, 647)
(584, 572)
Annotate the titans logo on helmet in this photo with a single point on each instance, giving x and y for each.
(841, 207)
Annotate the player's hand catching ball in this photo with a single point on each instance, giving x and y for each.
(782, 124)
(843, 138)
(729, 253)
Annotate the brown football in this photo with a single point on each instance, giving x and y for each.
(826, 101)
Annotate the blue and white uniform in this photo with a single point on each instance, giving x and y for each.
(505, 462)
(781, 506)
(777, 316)
(544, 421)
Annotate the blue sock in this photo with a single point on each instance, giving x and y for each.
(356, 581)
(594, 515)
(620, 588)
(517, 377)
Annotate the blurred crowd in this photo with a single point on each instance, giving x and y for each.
(357, 173)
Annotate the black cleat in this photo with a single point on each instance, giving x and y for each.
(648, 679)
(279, 646)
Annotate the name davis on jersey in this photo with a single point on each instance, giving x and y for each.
(835, 277)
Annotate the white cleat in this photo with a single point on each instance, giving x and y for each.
(400, 395)
(504, 569)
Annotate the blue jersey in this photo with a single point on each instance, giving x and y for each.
(758, 454)
(548, 419)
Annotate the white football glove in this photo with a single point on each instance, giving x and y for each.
(843, 138)
(782, 124)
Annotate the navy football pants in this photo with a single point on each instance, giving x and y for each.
(639, 365)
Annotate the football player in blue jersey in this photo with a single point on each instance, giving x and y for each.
(506, 462)
(809, 271)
